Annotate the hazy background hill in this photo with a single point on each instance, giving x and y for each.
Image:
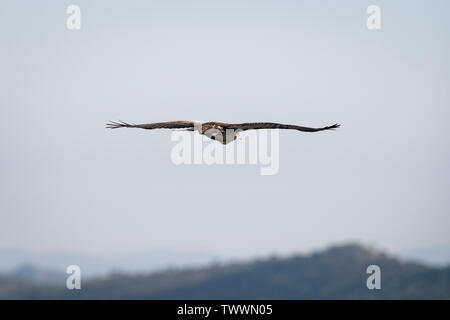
(12, 261)
(335, 273)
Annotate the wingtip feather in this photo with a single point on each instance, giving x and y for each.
(119, 124)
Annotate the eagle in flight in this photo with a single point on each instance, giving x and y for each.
(219, 131)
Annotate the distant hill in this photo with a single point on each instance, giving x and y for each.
(335, 273)
(34, 275)
(94, 266)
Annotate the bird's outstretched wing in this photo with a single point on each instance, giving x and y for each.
(271, 125)
(156, 125)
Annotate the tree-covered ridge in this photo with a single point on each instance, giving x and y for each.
(335, 273)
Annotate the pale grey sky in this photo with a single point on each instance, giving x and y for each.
(70, 185)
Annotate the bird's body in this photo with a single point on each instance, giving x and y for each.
(220, 131)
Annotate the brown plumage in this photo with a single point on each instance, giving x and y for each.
(220, 131)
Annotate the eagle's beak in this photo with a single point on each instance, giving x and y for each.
(238, 135)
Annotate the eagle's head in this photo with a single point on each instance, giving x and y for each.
(221, 135)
